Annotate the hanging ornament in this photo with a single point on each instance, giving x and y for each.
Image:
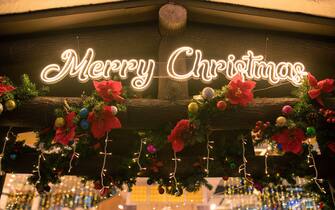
(114, 110)
(151, 148)
(161, 190)
(193, 107)
(10, 105)
(221, 105)
(310, 131)
(208, 93)
(83, 113)
(281, 121)
(1, 108)
(84, 124)
(287, 109)
(59, 122)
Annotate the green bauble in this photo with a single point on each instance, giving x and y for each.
(310, 131)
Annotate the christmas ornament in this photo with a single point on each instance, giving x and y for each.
(114, 110)
(287, 109)
(193, 107)
(1, 108)
(310, 131)
(221, 105)
(150, 181)
(208, 93)
(83, 113)
(84, 124)
(59, 122)
(281, 121)
(151, 148)
(161, 190)
(10, 105)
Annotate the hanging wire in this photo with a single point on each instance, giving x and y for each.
(138, 155)
(208, 147)
(103, 168)
(73, 156)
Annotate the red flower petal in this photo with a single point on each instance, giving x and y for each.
(5, 88)
(177, 146)
(314, 93)
(326, 85)
(331, 146)
(312, 80)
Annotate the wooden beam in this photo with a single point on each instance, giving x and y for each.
(148, 113)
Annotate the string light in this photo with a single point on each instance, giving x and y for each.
(173, 174)
(4, 148)
(103, 168)
(40, 156)
(266, 160)
(243, 166)
(138, 155)
(209, 147)
(311, 162)
(74, 155)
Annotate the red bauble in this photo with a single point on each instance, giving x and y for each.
(221, 105)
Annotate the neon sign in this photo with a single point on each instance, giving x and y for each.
(250, 67)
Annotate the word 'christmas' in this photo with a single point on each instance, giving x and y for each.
(250, 67)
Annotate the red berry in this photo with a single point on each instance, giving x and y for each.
(225, 178)
(161, 190)
(259, 123)
(257, 128)
(329, 120)
(333, 120)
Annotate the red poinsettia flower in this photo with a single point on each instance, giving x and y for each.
(103, 121)
(109, 90)
(240, 92)
(179, 134)
(4, 88)
(66, 133)
(331, 146)
(290, 139)
(318, 87)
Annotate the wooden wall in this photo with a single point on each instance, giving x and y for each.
(29, 53)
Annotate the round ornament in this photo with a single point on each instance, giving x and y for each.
(59, 122)
(84, 124)
(10, 105)
(221, 105)
(193, 107)
(161, 190)
(208, 93)
(114, 110)
(281, 121)
(287, 109)
(13, 156)
(310, 131)
(83, 113)
(1, 108)
(151, 148)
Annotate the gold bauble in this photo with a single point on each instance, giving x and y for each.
(59, 122)
(281, 121)
(193, 107)
(10, 105)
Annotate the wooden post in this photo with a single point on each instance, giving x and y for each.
(172, 21)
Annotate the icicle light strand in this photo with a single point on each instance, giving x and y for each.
(209, 147)
(311, 162)
(138, 156)
(4, 148)
(243, 166)
(103, 168)
(173, 174)
(74, 155)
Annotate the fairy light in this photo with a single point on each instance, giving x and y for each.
(138, 156)
(4, 148)
(243, 166)
(40, 157)
(73, 156)
(266, 160)
(209, 147)
(173, 174)
(103, 168)
(311, 162)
